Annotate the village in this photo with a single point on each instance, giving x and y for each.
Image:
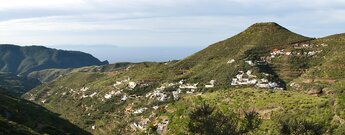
(121, 89)
(246, 78)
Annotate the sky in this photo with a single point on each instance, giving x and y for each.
(156, 30)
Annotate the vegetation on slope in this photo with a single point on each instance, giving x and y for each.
(48, 75)
(18, 116)
(276, 108)
(17, 84)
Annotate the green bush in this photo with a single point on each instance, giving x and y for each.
(207, 120)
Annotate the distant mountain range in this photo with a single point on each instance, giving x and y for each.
(16, 62)
(23, 60)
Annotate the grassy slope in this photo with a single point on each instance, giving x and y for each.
(13, 128)
(17, 84)
(270, 105)
(20, 116)
(330, 72)
(48, 75)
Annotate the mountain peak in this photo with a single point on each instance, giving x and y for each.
(265, 26)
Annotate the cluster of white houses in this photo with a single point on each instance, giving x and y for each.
(282, 52)
(141, 125)
(308, 45)
(243, 79)
(276, 53)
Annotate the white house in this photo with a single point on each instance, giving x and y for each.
(155, 107)
(240, 80)
(44, 101)
(211, 85)
(162, 126)
(117, 84)
(132, 85)
(189, 86)
(93, 94)
(107, 96)
(124, 98)
(324, 45)
(262, 85)
(175, 95)
(118, 93)
(250, 62)
(84, 89)
(231, 61)
(181, 82)
(139, 111)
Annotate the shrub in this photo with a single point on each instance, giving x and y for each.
(296, 126)
(207, 120)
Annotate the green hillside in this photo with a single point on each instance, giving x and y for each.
(265, 68)
(212, 61)
(18, 116)
(17, 84)
(48, 75)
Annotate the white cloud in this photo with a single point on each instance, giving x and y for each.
(46, 4)
(154, 22)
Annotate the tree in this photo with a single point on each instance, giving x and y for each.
(206, 120)
(296, 126)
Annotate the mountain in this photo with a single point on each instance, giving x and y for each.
(23, 60)
(18, 62)
(18, 116)
(258, 39)
(283, 76)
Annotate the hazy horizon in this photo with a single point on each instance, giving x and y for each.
(132, 54)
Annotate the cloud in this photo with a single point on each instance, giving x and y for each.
(158, 23)
(43, 4)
